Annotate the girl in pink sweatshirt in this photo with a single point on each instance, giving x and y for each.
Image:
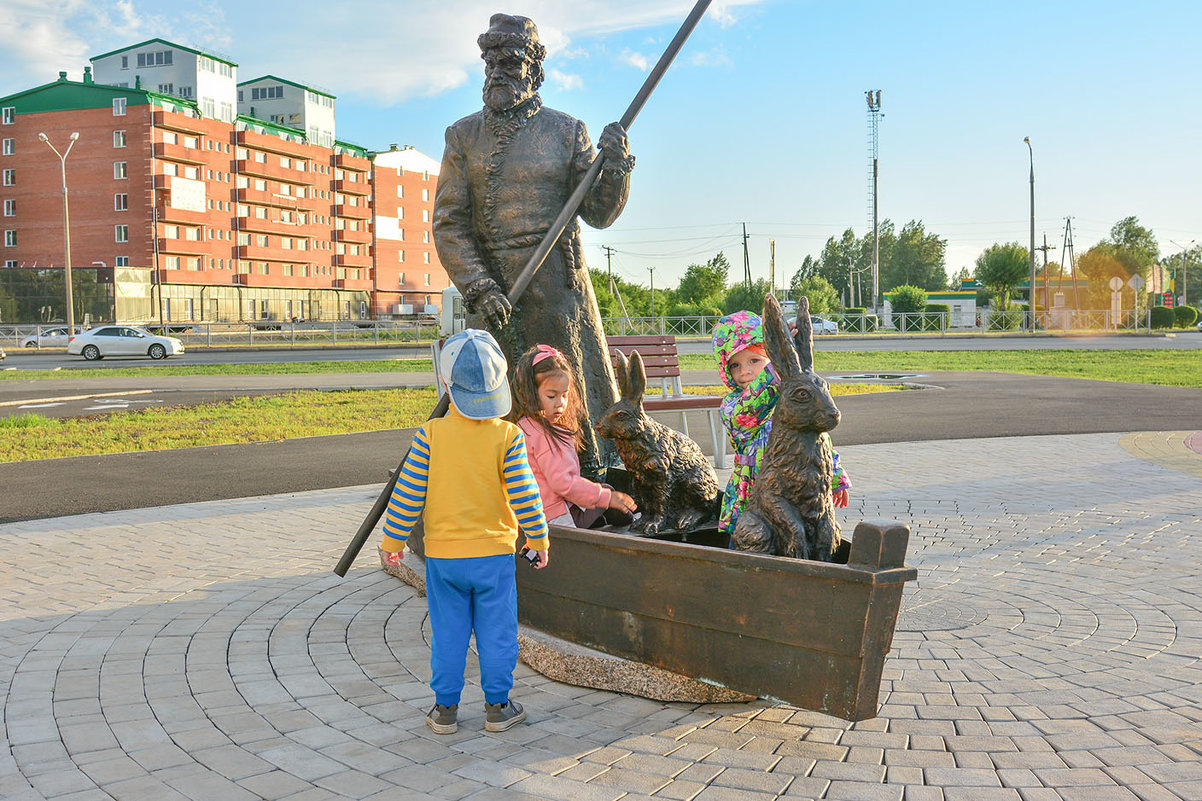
(549, 412)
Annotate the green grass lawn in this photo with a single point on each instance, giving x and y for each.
(1177, 368)
(253, 419)
(282, 368)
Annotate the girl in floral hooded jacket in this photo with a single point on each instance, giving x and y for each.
(747, 410)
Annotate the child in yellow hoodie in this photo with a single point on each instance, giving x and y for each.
(468, 472)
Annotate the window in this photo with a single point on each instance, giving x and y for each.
(425, 194)
(263, 310)
(10, 147)
(250, 309)
(118, 170)
(167, 88)
(208, 107)
(125, 62)
(10, 208)
(170, 169)
(8, 115)
(167, 308)
(118, 138)
(121, 233)
(10, 264)
(121, 261)
(426, 237)
(425, 215)
(118, 106)
(191, 142)
(400, 256)
(426, 257)
(171, 231)
(400, 191)
(266, 92)
(159, 58)
(401, 279)
(427, 279)
(261, 158)
(120, 202)
(192, 234)
(170, 138)
(10, 238)
(172, 262)
(190, 309)
(191, 172)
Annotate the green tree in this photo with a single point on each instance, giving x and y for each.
(916, 258)
(808, 269)
(964, 274)
(1099, 264)
(1002, 267)
(703, 283)
(740, 296)
(1135, 245)
(824, 298)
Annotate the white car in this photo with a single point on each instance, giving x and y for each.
(122, 340)
(823, 325)
(48, 338)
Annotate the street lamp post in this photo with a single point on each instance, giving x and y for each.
(1031, 251)
(62, 158)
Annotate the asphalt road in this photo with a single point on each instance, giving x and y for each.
(51, 360)
(960, 405)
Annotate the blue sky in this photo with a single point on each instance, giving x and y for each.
(762, 120)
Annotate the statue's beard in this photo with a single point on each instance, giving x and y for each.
(502, 93)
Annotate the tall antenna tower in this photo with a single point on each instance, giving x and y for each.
(874, 117)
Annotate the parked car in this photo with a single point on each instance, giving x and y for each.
(122, 340)
(823, 325)
(50, 338)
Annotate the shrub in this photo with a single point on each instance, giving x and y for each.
(907, 299)
(1162, 317)
(855, 310)
(1185, 316)
(1005, 318)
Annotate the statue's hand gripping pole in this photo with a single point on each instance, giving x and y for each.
(536, 260)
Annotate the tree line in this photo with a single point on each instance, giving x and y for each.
(840, 276)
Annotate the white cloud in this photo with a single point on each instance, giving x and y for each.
(385, 51)
(637, 60)
(565, 81)
(714, 57)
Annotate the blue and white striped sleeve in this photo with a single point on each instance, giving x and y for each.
(522, 491)
(409, 496)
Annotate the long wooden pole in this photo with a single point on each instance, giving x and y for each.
(540, 255)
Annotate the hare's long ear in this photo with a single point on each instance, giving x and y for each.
(638, 378)
(622, 371)
(778, 342)
(803, 339)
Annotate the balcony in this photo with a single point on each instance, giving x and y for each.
(177, 152)
(169, 213)
(346, 161)
(353, 212)
(273, 171)
(355, 237)
(257, 279)
(272, 253)
(352, 260)
(361, 188)
(175, 121)
(354, 283)
(264, 198)
(277, 227)
(190, 247)
(274, 144)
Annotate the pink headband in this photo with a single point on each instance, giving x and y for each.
(545, 352)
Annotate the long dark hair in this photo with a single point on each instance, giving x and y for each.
(527, 376)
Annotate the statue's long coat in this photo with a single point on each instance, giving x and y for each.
(503, 182)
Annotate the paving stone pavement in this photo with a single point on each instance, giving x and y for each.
(1051, 649)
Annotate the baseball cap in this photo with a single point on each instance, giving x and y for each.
(473, 365)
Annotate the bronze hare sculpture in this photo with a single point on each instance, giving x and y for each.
(790, 512)
(671, 480)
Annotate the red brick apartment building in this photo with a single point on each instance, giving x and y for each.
(199, 214)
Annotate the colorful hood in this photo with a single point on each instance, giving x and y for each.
(734, 333)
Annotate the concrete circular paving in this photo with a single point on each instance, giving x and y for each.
(1051, 649)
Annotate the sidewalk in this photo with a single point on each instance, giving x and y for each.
(1052, 649)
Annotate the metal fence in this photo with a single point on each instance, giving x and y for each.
(284, 334)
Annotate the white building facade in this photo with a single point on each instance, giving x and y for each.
(167, 68)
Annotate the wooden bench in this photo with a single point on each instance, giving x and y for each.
(662, 363)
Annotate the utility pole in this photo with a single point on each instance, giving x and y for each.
(1047, 302)
(609, 265)
(746, 259)
(652, 271)
(1184, 287)
(62, 158)
(772, 266)
(1031, 293)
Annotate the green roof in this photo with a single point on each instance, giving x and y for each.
(63, 95)
(169, 44)
(274, 127)
(358, 149)
(290, 83)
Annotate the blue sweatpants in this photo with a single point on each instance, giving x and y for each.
(478, 594)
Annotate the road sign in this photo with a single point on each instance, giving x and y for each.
(1136, 282)
(1116, 283)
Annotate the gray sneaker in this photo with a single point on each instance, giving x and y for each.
(443, 719)
(500, 717)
